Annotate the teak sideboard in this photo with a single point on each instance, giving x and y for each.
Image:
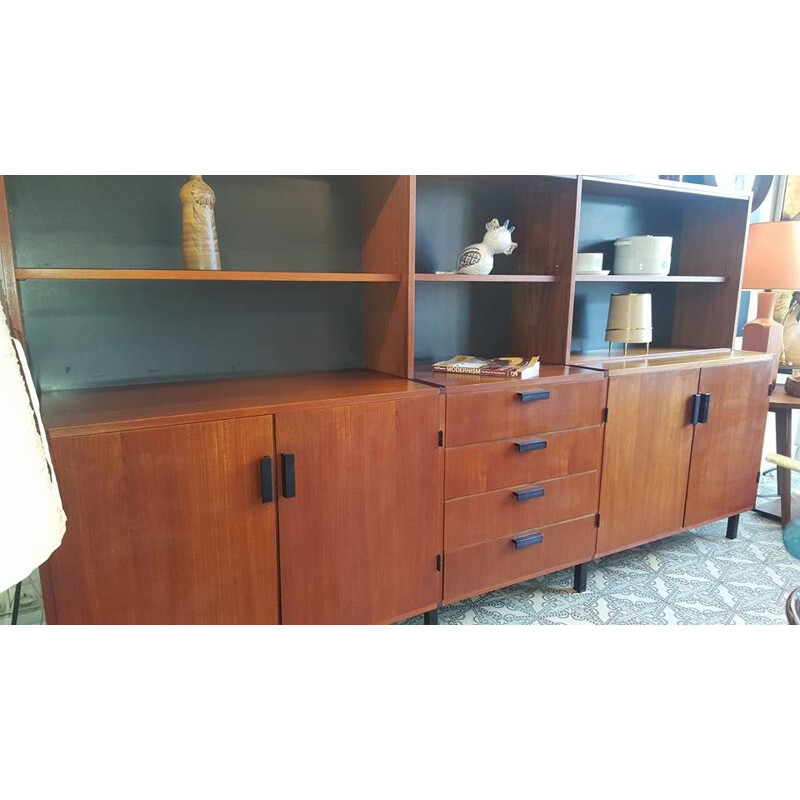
(269, 443)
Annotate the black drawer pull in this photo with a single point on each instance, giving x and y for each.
(529, 494)
(528, 540)
(531, 444)
(705, 404)
(266, 479)
(529, 397)
(287, 470)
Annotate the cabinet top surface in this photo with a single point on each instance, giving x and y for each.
(453, 382)
(83, 412)
(684, 360)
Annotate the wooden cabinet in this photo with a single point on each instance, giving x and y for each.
(726, 453)
(360, 517)
(167, 525)
(682, 447)
(522, 475)
(646, 457)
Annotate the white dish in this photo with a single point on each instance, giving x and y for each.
(595, 272)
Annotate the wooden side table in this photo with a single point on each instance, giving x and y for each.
(782, 508)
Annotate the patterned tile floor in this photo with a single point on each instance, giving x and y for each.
(695, 578)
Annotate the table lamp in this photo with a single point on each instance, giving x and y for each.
(772, 262)
(630, 320)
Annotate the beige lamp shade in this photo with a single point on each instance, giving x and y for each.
(630, 318)
(773, 256)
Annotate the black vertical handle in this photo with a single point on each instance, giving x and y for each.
(695, 415)
(266, 479)
(705, 404)
(287, 470)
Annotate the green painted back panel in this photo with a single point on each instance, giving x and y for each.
(94, 333)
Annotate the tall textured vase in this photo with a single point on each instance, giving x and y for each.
(763, 334)
(200, 246)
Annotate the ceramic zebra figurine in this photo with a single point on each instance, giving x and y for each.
(478, 259)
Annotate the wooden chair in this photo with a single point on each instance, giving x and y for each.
(793, 600)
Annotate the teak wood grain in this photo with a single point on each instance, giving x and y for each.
(388, 208)
(713, 241)
(648, 447)
(541, 314)
(359, 540)
(483, 467)
(481, 517)
(469, 571)
(82, 412)
(167, 526)
(726, 452)
(482, 417)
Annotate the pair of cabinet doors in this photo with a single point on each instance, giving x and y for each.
(188, 523)
(663, 471)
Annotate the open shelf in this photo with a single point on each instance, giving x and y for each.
(202, 275)
(652, 278)
(424, 276)
(625, 187)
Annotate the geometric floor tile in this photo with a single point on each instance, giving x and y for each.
(695, 578)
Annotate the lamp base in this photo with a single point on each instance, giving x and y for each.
(763, 334)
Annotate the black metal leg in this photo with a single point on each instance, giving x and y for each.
(733, 527)
(581, 571)
(15, 607)
(432, 617)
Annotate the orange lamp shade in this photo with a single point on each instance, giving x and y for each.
(773, 256)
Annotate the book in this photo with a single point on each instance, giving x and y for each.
(501, 367)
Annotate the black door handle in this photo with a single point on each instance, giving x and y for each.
(531, 444)
(694, 416)
(529, 494)
(527, 540)
(705, 404)
(529, 397)
(266, 479)
(287, 471)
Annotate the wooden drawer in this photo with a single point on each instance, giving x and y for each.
(469, 571)
(522, 410)
(481, 517)
(510, 462)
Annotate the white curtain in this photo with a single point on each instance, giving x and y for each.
(32, 520)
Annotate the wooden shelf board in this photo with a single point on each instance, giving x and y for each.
(651, 278)
(199, 275)
(425, 276)
(662, 358)
(80, 412)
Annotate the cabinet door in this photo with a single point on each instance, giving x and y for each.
(360, 536)
(167, 525)
(646, 457)
(727, 448)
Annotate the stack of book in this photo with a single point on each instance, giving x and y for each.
(503, 367)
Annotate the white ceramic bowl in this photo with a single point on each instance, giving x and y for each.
(589, 263)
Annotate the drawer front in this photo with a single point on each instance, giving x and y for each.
(469, 571)
(481, 517)
(523, 410)
(510, 462)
